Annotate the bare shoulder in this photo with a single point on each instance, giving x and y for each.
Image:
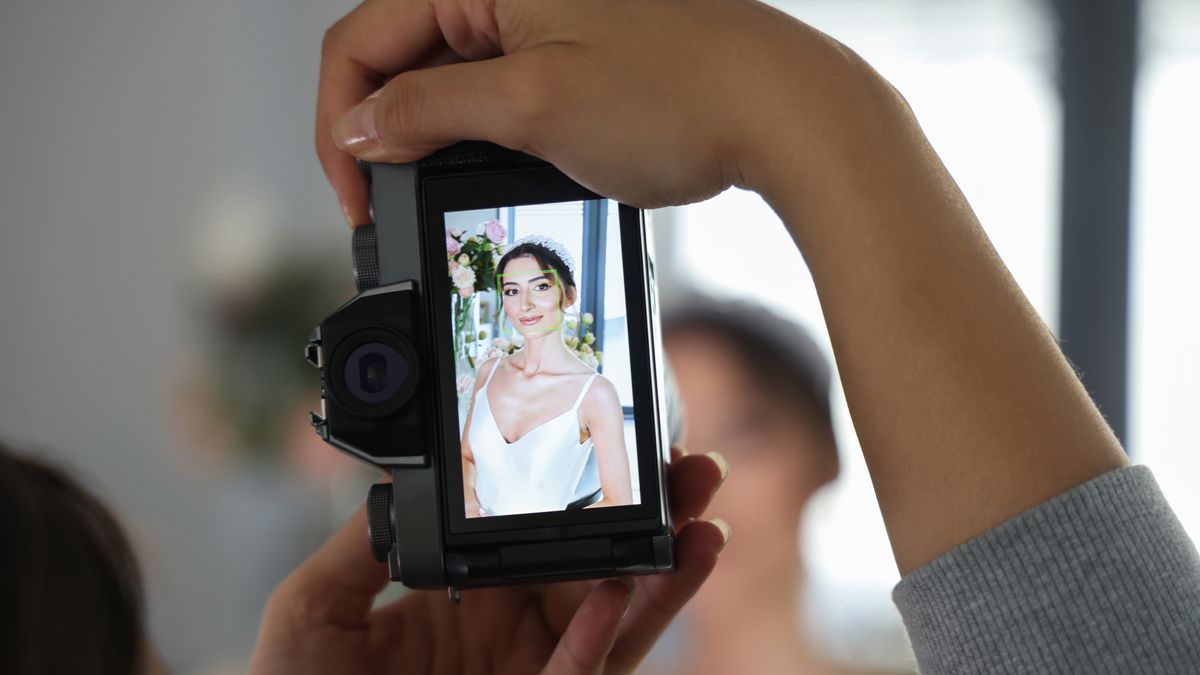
(485, 369)
(601, 398)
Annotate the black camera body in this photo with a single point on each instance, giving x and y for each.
(390, 356)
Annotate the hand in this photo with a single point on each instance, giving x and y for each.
(655, 102)
(643, 101)
(320, 619)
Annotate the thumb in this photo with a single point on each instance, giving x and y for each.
(499, 100)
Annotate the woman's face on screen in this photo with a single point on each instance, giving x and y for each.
(531, 294)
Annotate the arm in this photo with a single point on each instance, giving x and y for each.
(471, 500)
(967, 411)
(601, 414)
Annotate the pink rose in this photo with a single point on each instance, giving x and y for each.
(451, 245)
(453, 266)
(496, 233)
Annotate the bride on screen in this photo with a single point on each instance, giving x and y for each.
(538, 414)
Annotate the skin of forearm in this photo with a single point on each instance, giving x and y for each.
(614, 496)
(469, 485)
(967, 411)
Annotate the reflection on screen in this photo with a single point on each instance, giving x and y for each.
(537, 300)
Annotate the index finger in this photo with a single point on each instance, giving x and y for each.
(358, 55)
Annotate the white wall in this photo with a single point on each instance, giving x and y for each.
(131, 131)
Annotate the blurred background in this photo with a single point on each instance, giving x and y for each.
(168, 238)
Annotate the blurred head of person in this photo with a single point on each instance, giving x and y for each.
(754, 387)
(72, 600)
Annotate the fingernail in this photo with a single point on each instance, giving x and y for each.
(349, 218)
(726, 531)
(355, 132)
(721, 464)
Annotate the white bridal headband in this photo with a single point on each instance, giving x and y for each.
(550, 245)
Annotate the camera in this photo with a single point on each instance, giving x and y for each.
(502, 361)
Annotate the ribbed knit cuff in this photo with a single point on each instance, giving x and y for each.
(1100, 579)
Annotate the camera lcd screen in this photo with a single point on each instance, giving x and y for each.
(541, 344)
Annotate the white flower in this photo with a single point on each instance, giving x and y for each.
(588, 318)
(463, 277)
(588, 338)
(464, 384)
(464, 259)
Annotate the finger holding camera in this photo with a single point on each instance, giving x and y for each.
(321, 618)
(637, 100)
(653, 102)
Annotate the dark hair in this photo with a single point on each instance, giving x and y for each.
(778, 353)
(73, 592)
(545, 257)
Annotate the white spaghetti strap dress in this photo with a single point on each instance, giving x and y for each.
(539, 471)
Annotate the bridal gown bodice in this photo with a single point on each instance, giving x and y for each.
(540, 471)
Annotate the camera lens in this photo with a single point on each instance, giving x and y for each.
(375, 372)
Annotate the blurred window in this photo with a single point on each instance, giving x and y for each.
(558, 221)
(1165, 294)
(614, 324)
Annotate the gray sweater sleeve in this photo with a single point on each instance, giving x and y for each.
(1100, 579)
